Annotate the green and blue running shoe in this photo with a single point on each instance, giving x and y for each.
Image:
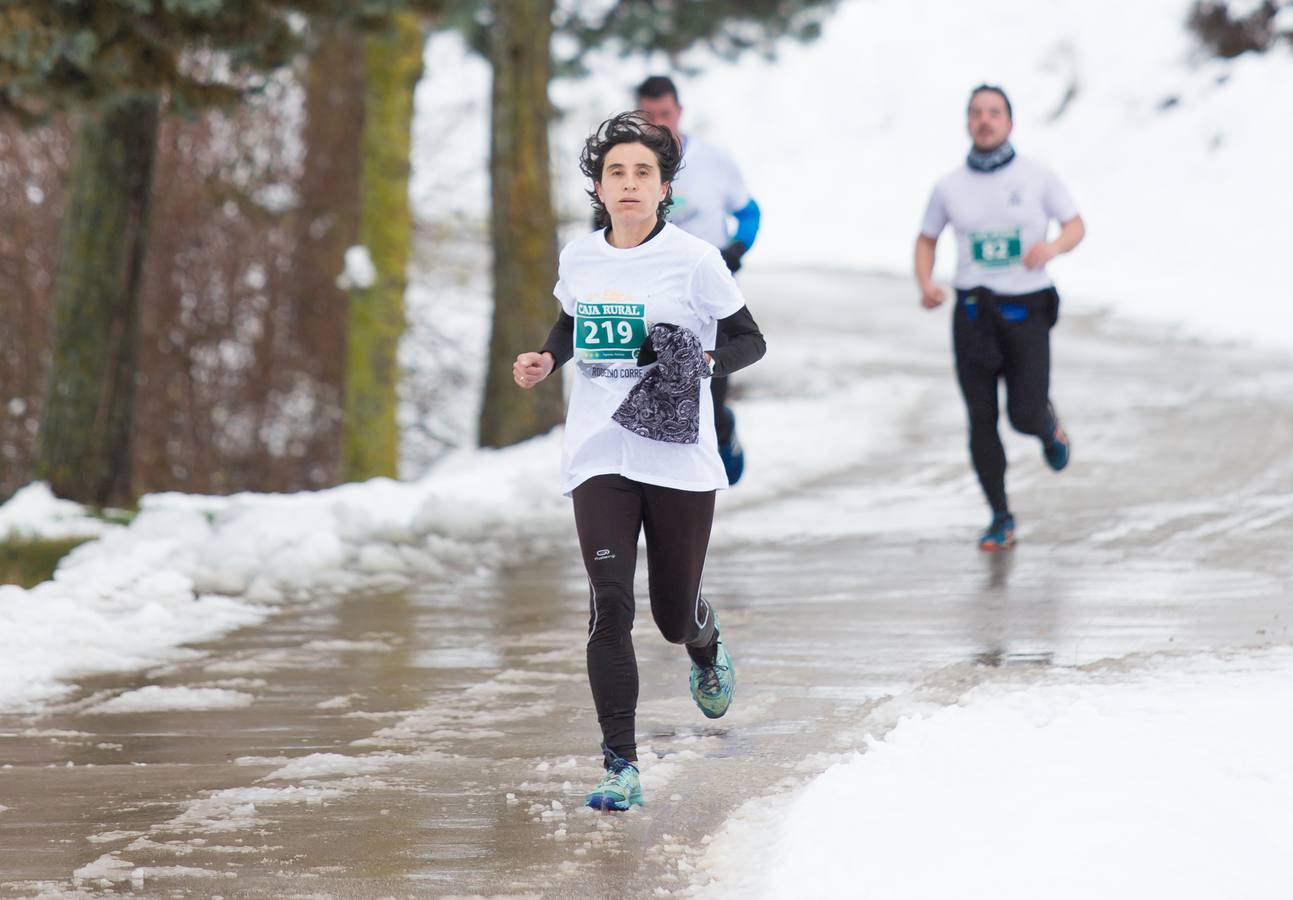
(620, 788)
(1056, 445)
(1000, 534)
(712, 687)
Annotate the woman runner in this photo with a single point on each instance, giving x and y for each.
(642, 303)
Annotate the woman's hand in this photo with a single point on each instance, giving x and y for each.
(531, 368)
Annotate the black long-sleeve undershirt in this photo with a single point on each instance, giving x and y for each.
(561, 340)
(740, 342)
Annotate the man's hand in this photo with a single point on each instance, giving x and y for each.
(732, 254)
(931, 295)
(531, 368)
(1038, 255)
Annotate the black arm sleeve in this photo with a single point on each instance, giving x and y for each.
(561, 340)
(740, 343)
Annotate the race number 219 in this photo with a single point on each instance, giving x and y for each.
(609, 331)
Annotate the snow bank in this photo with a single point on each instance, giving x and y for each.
(34, 512)
(191, 568)
(1171, 780)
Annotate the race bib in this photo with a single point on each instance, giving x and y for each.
(609, 331)
(996, 249)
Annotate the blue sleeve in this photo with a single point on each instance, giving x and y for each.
(747, 224)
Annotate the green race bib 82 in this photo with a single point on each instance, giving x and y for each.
(996, 249)
(609, 331)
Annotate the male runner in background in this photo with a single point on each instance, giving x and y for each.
(707, 192)
(1000, 206)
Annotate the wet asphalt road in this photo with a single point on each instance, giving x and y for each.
(444, 737)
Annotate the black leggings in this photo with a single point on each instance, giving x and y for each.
(998, 336)
(610, 510)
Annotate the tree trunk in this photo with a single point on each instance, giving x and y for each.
(524, 228)
(33, 180)
(329, 224)
(85, 439)
(393, 63)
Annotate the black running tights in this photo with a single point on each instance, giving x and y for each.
(610, 511)
(1022, 339)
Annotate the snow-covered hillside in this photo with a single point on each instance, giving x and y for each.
(1178, 163)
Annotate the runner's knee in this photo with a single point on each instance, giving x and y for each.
(678, 632)
(1028, 418)
(610, 614)
(680, 625)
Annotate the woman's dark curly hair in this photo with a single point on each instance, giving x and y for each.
(629, 128)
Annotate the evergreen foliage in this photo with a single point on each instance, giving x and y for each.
(77, 53)
(1226, 34)
(60, 54)
(727, 28)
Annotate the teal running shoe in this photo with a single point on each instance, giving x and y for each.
(1000, 534)
(1056, 445)
(712, 687)
(620, 787)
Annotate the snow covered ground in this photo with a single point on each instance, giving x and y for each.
(1056, 786)
(1165, 777)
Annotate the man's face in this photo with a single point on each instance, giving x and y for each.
(989, 123)
(662, 111)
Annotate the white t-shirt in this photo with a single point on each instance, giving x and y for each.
(997, 216)
(615, 296)
(707, 190)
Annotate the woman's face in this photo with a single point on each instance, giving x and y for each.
(631, 189)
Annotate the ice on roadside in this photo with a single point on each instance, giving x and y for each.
(336, 765)
(155, 698)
